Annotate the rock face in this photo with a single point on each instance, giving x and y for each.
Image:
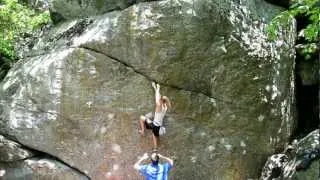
(38, 168)
(311, 173)
(72, 9)
(17, 162)
(12, 151)
(79, 94)
(302, 162)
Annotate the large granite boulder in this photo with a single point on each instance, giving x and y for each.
(299, 161)
(312, 172)
(12, 151)
(62, 10)
(38, 168)
(80, 98)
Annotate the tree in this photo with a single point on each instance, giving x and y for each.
(310, 34)
(15, 21)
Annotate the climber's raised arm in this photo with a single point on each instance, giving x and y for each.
(156, 88)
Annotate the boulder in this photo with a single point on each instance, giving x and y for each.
(311, 173)
(62, 10)
(12, 151)
(80, 98)
(38, 168)
(300, 161)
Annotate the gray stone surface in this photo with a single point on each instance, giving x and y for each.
(38, 168)
(311, 141)
(12, 151)
(302, 162)
(232, 89)
(312, 172)
(73, 9)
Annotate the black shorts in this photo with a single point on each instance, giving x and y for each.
(155, 129)
(149, 124)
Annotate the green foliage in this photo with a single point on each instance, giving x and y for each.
(16, 20)
(311, 33)
(273, 28)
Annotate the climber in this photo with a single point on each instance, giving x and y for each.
(155, 121)
(154, 170)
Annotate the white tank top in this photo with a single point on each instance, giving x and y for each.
(158, 116)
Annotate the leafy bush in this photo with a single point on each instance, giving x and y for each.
(309, 9)
(15, 21)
